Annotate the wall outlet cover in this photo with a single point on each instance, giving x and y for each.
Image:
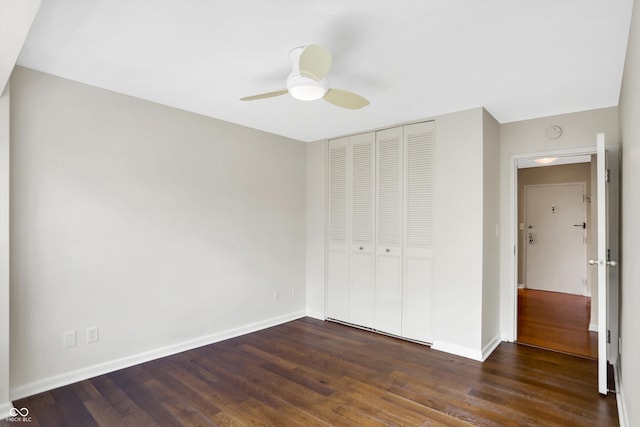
(69, 339)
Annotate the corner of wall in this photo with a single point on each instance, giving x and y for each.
(315, 229)
(458, 350)
(490, 347)
(623, 416)
(491, 231)
(5, 229)
(5, 409)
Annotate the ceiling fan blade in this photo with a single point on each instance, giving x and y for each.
(345, 99)
(315, 62)
(264, 95)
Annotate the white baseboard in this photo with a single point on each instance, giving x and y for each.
(623, 418)
(81, 374)
(4, 410)
(316, 315)
(520, 285)
(458, 350)
(593, 327)
(488, 349)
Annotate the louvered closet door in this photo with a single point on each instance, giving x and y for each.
(361, 287)
(418, 231)
(389, 182)
(338, 248)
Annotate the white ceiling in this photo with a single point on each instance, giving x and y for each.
(412, 59)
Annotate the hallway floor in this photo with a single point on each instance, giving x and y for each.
(556, 321)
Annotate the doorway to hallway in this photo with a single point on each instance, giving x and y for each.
(556, 223)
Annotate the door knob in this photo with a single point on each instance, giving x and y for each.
(361, 247)
(583, 225)
(387, 250)
(596, 262)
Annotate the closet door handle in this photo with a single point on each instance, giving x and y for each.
(361, 248)
(387, 250)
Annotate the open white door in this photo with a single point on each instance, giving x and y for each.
(603, 262)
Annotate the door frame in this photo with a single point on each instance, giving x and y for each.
(513, 219)
(525, 247)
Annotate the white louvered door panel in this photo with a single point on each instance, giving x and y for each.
(361, 295)
(418, 231)
(338, 231)
(389, 183)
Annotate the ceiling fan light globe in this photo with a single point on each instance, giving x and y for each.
(305, 88)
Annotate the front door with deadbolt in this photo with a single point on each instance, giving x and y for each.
(555, 233)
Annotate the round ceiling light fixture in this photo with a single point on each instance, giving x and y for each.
(305, 88)
(545, 160)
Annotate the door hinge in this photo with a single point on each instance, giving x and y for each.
(608, 336)
(608, 175)
(608, 255)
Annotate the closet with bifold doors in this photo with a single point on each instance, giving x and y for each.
(380, 230)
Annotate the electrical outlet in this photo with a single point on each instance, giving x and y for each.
(69, 339)
(276, 296)
(92, 334)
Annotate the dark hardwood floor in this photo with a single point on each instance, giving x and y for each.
(308, 372)
(556, 321)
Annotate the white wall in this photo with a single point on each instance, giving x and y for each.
(316, 220)
(165, 229)
(629, 265)
(490, 242)
(16, 17)
(5, 401)
(458, 235)
(528, 136)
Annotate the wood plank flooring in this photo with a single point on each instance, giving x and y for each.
(313, 373)
(556, 321)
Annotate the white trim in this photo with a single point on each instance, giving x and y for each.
(492, 345)
(593, 327)
(603, 241)
(513, 223)
(521, 286)
(458, 350)
(623, 418)
(71, 377)
(4, 410)
(513, 243)
(316, 315)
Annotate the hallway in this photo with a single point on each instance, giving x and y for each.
(556, 321)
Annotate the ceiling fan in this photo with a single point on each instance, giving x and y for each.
(307, 80)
